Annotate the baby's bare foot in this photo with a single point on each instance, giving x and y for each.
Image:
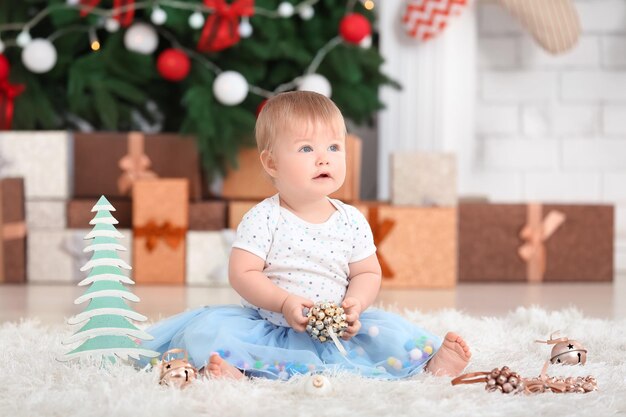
(451, 358)
(219, 368)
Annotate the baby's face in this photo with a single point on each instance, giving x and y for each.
(310, 162)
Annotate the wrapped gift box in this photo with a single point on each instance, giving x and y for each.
(251, 182)
(207, 215)
(107, 163)
(160, 222)
(203, 215)
(533, 242)
(41, 158)
(416, 246)
(207, 257)
(423, 179)
(12, 231)
(45, 214)
(236, 211)
(56, 256)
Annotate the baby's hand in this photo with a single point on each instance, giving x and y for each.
(352, 308)
(292, 310)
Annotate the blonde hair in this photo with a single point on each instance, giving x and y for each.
(291, 109)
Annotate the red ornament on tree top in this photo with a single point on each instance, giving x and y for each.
(173, 64)
(354, 27)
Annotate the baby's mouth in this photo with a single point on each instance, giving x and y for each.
(322, 175)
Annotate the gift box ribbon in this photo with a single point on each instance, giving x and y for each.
(380, 231)
(172, 235)
(13, 230)
(221, 29)
(135, 164)
(535, 233)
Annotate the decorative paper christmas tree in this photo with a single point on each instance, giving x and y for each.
(107, 331)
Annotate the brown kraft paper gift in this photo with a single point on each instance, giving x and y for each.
(416, 246)
(251, 182)
(108, 163)
(160, 215)
(535, 242)
(12, 231)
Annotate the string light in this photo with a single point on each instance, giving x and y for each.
(369, 4)
(93, 40)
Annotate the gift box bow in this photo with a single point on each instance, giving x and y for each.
(535, 233)
(152, 232)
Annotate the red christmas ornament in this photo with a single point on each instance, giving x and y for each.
(354, 27)
(8, 93)
(5, 67)
(173, 64)
(221, 30)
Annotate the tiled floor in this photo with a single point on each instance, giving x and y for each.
(52, 303)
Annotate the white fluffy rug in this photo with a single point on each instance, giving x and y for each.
(35, 384)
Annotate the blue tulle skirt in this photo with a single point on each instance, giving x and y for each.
(387, 346)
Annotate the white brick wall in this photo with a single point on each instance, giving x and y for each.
(552, 128)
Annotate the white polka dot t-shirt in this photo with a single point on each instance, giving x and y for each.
(306, 259)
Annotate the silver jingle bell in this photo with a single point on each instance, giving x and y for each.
(177, 373)
(566, 351)
(569, 352)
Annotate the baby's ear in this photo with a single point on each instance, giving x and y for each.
(269, 163)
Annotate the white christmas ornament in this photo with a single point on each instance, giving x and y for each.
(72, 2)
(158, 16)
(317, 385)
(141, 38)
(23, 39)
(366, 43)
(317, 83)
(39, 56)
(245, 28)
(230, 88)
(196, 20)
(111, 25)
(306, 12)
(285, 9)
(1, 46)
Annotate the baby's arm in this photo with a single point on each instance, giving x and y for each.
(245, 273)
(365, 277)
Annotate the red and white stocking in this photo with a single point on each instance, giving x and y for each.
(424, 19)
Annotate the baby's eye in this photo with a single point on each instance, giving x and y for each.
(333, 148)
(305, 148)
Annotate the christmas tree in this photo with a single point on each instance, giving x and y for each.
(107, 331)
(192, 66)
